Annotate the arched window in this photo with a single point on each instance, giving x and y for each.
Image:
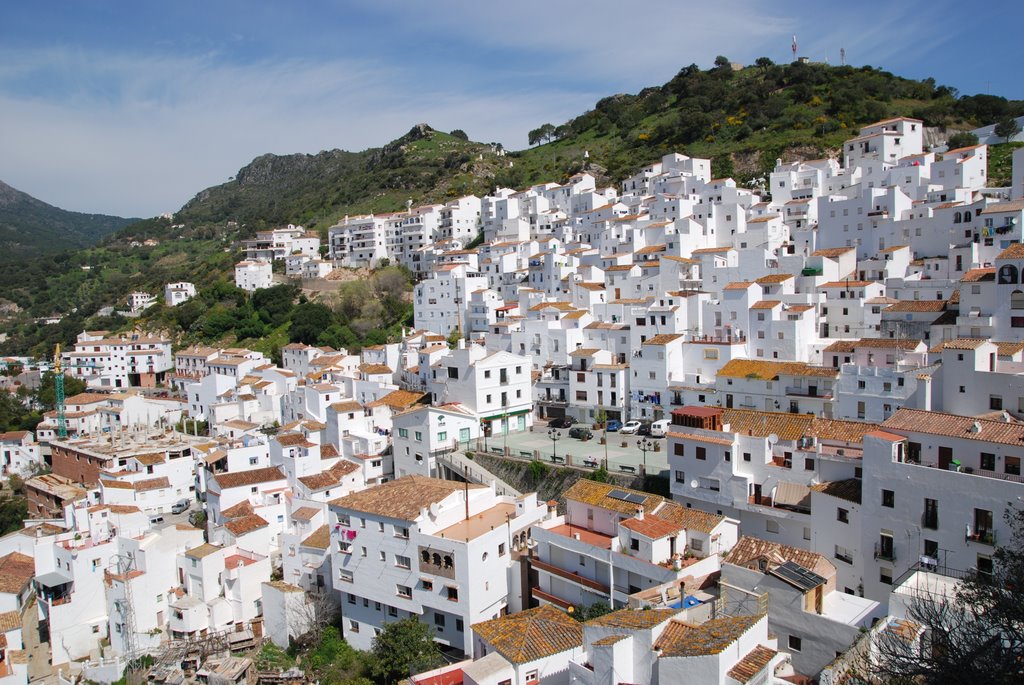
(967, 217)
(1017, 300)
(957, 218)
(437, 559)
(426, 557)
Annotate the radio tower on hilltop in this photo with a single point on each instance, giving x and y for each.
(793, 47)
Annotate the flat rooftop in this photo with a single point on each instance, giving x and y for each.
(479, 524)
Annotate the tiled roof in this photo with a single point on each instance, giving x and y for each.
(319, 538)
(9, 620)
(291, 439)
(774, 278)
(839, 430)
(246, 524)
(400, 499)
(1014, 251)
(597, 494)
(758, 368)
(961, 344)
(888, 343)
(749, 549)
(398, 399)
(662, 339)
(283, 586)
(975, 275)
(16, 570)
(954, 426)
(330, 477)
(766, 304)
(243, 508)
(305, 513)
(738, 285)
(266, 474)
(916, 306)
(846, 284)
(831, 252)
(651, 526)
(202, 551)
(634, 619)
(532, 634)
(711, 637)
(752, 664)
(151, 484)
(763, 423)
(999, 207)
(689, 518)
(346, 406)
(848, 489)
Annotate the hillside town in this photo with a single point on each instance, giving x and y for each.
(777, 415)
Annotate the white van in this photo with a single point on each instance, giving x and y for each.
(660, 428)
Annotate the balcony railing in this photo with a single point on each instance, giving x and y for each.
(886, 552)
(570, 576)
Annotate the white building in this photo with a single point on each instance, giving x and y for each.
(176, 293)
(252, 275)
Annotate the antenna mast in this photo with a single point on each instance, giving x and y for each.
(793, 47)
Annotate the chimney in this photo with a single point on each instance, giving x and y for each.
(640, 513)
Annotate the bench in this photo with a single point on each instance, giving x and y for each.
(592, 463)
(626, 467)
(557, 460)
(525, 453)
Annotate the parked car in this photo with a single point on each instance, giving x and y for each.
(659, 429)
(630, 427)
(580, 433)
(613, 425)
(564, 422)
(180, 506)
(644, 429)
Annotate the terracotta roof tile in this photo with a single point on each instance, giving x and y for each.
(712, 637)
(651, 526)
(246, 524)
(749, 550)
(597, 494)
(955, 426)
(532, 634)
(400, 499)
(634, 619)
(16, 570)
(849, 489)
(752, 664)
(253, 477)
(319, 538)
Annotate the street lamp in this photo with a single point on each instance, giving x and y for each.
(645, 445)
(555, 435)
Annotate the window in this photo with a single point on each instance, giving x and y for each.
(351, 598)
(353, 626)
(680, 477)
(383, 555)
(439, 620)
(1012, 466)
(453, 594)
(634, 544)
(771, 526)
(402, 562)
(679, 449)
(885, 576)
(345, 576)
(459, 626)
(995, 402)
(501, 549)
(988, 461)
(427, 585)
(746, 456)
(403, 432)
(888, 498)
(403, 591)
(701, 453)
(392, 611)
(842, 515)
(809, 464)
(401, 532)
(442, 436)
(795, 643)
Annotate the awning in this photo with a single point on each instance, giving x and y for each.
(793, 495)
(53, 579)
(498, 417)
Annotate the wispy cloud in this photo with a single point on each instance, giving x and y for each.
(170, 127)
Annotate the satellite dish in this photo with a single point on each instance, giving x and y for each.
(772, 439)
(694, 484)
(434, 509)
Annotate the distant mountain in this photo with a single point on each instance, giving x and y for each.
(30, 227)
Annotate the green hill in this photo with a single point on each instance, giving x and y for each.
(743, 119)
(29, 226)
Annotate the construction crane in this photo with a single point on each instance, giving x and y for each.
(58, 391)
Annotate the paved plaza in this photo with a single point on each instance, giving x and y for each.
(582, 453)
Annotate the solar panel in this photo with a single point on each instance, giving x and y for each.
(631, 497)
(797, 575)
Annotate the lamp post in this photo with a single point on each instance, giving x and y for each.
(645, 445)
(555, 435)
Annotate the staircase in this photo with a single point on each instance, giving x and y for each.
(457, 466)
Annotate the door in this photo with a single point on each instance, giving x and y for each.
(728, 401)
(945, 457)
(757, 493)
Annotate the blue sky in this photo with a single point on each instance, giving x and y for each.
(132, 107)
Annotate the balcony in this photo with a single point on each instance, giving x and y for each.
(982, 537)
(886, 552)
(571, 576)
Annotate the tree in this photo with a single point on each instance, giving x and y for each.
(721, 62)
(309, 319)
(1007, 128)
(764, 64)
(315, 614)
(962, 139)
(460, 134)
(974, 635)
(404, 648)
(588, 612)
